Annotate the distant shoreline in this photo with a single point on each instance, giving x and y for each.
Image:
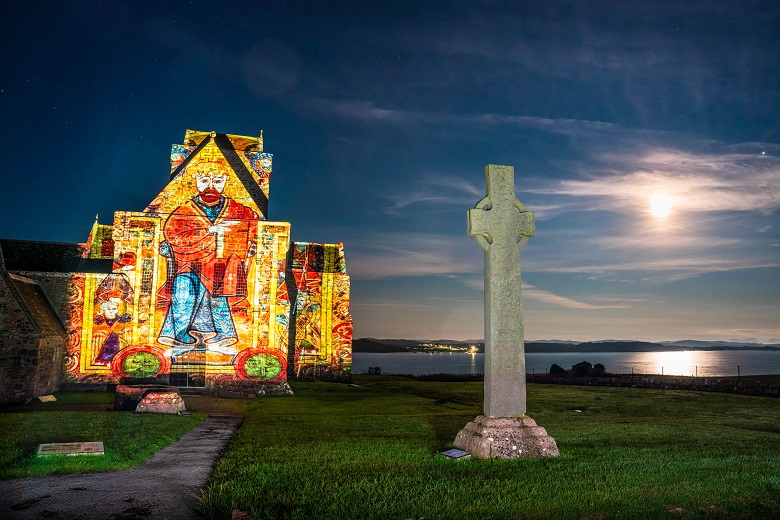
(403, 345)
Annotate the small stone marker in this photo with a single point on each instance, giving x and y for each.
(71, 448)
(161, 402)
(47, 398)
(501, 226)
(456, 454)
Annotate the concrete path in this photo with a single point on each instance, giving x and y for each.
(165, 487)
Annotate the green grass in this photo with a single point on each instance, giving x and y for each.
(128, 438)
(340, 452)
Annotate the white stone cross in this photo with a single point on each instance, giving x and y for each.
(501, 226)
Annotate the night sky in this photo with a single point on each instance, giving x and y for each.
(382, 116)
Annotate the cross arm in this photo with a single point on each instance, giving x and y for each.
(478, 223)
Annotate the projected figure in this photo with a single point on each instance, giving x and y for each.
(113, 299)
(208, 240)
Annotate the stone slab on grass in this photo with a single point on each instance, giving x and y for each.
(71, 448)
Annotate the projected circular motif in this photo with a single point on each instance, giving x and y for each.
(263, 366)
(140, 362)
(260, 364)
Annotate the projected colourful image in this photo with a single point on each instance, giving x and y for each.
(201, 289)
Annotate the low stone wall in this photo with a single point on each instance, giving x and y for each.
(703, 384)
(69, 386)
(235, 388)
(29, 366)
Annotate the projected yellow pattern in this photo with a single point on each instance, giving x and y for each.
(198, 289)
(323, 333)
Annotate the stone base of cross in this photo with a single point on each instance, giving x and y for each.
(501, 225)
(505, 438)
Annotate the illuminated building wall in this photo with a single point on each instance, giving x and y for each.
(201, 287)
(319, 286)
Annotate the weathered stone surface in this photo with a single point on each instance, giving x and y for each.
(161, 402)
(32, 342)
(501, 225)
(505, 438)
(71, 448)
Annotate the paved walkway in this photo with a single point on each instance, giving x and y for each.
(166, 486)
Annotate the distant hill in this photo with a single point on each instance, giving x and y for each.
(409, 345)
(599, 346)
(718, 344)
(371, 345)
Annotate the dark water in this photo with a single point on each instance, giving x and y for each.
(685, 363)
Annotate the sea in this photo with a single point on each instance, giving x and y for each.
(700, 363)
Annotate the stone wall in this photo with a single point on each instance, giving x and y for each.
(18, 367)
(704, 384)
(30, 363)
(13, 320)
(18, 348)
(235, 388)
(29, 366)
(50, 355)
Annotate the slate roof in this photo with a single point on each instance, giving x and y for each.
(36, 306)
(49, 257)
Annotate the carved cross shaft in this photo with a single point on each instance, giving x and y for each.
(501, 226)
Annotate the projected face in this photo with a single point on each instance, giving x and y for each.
(210, 185)
(111, 308)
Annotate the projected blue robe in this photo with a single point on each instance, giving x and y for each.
(210, 273)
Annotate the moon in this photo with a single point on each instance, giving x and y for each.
(660, 205)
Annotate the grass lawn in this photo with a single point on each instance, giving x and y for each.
(128, 438)
(341, 452)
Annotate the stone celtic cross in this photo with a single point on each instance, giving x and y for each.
(501, 225)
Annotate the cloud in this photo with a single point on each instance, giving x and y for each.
(436, 189)
(722, 198)
(368, 111)
(718, 193)
(676, 239)
(362, 110)
(389, 255)
(691, 242)
(695, 182)
(668, 269)
(535, 294)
